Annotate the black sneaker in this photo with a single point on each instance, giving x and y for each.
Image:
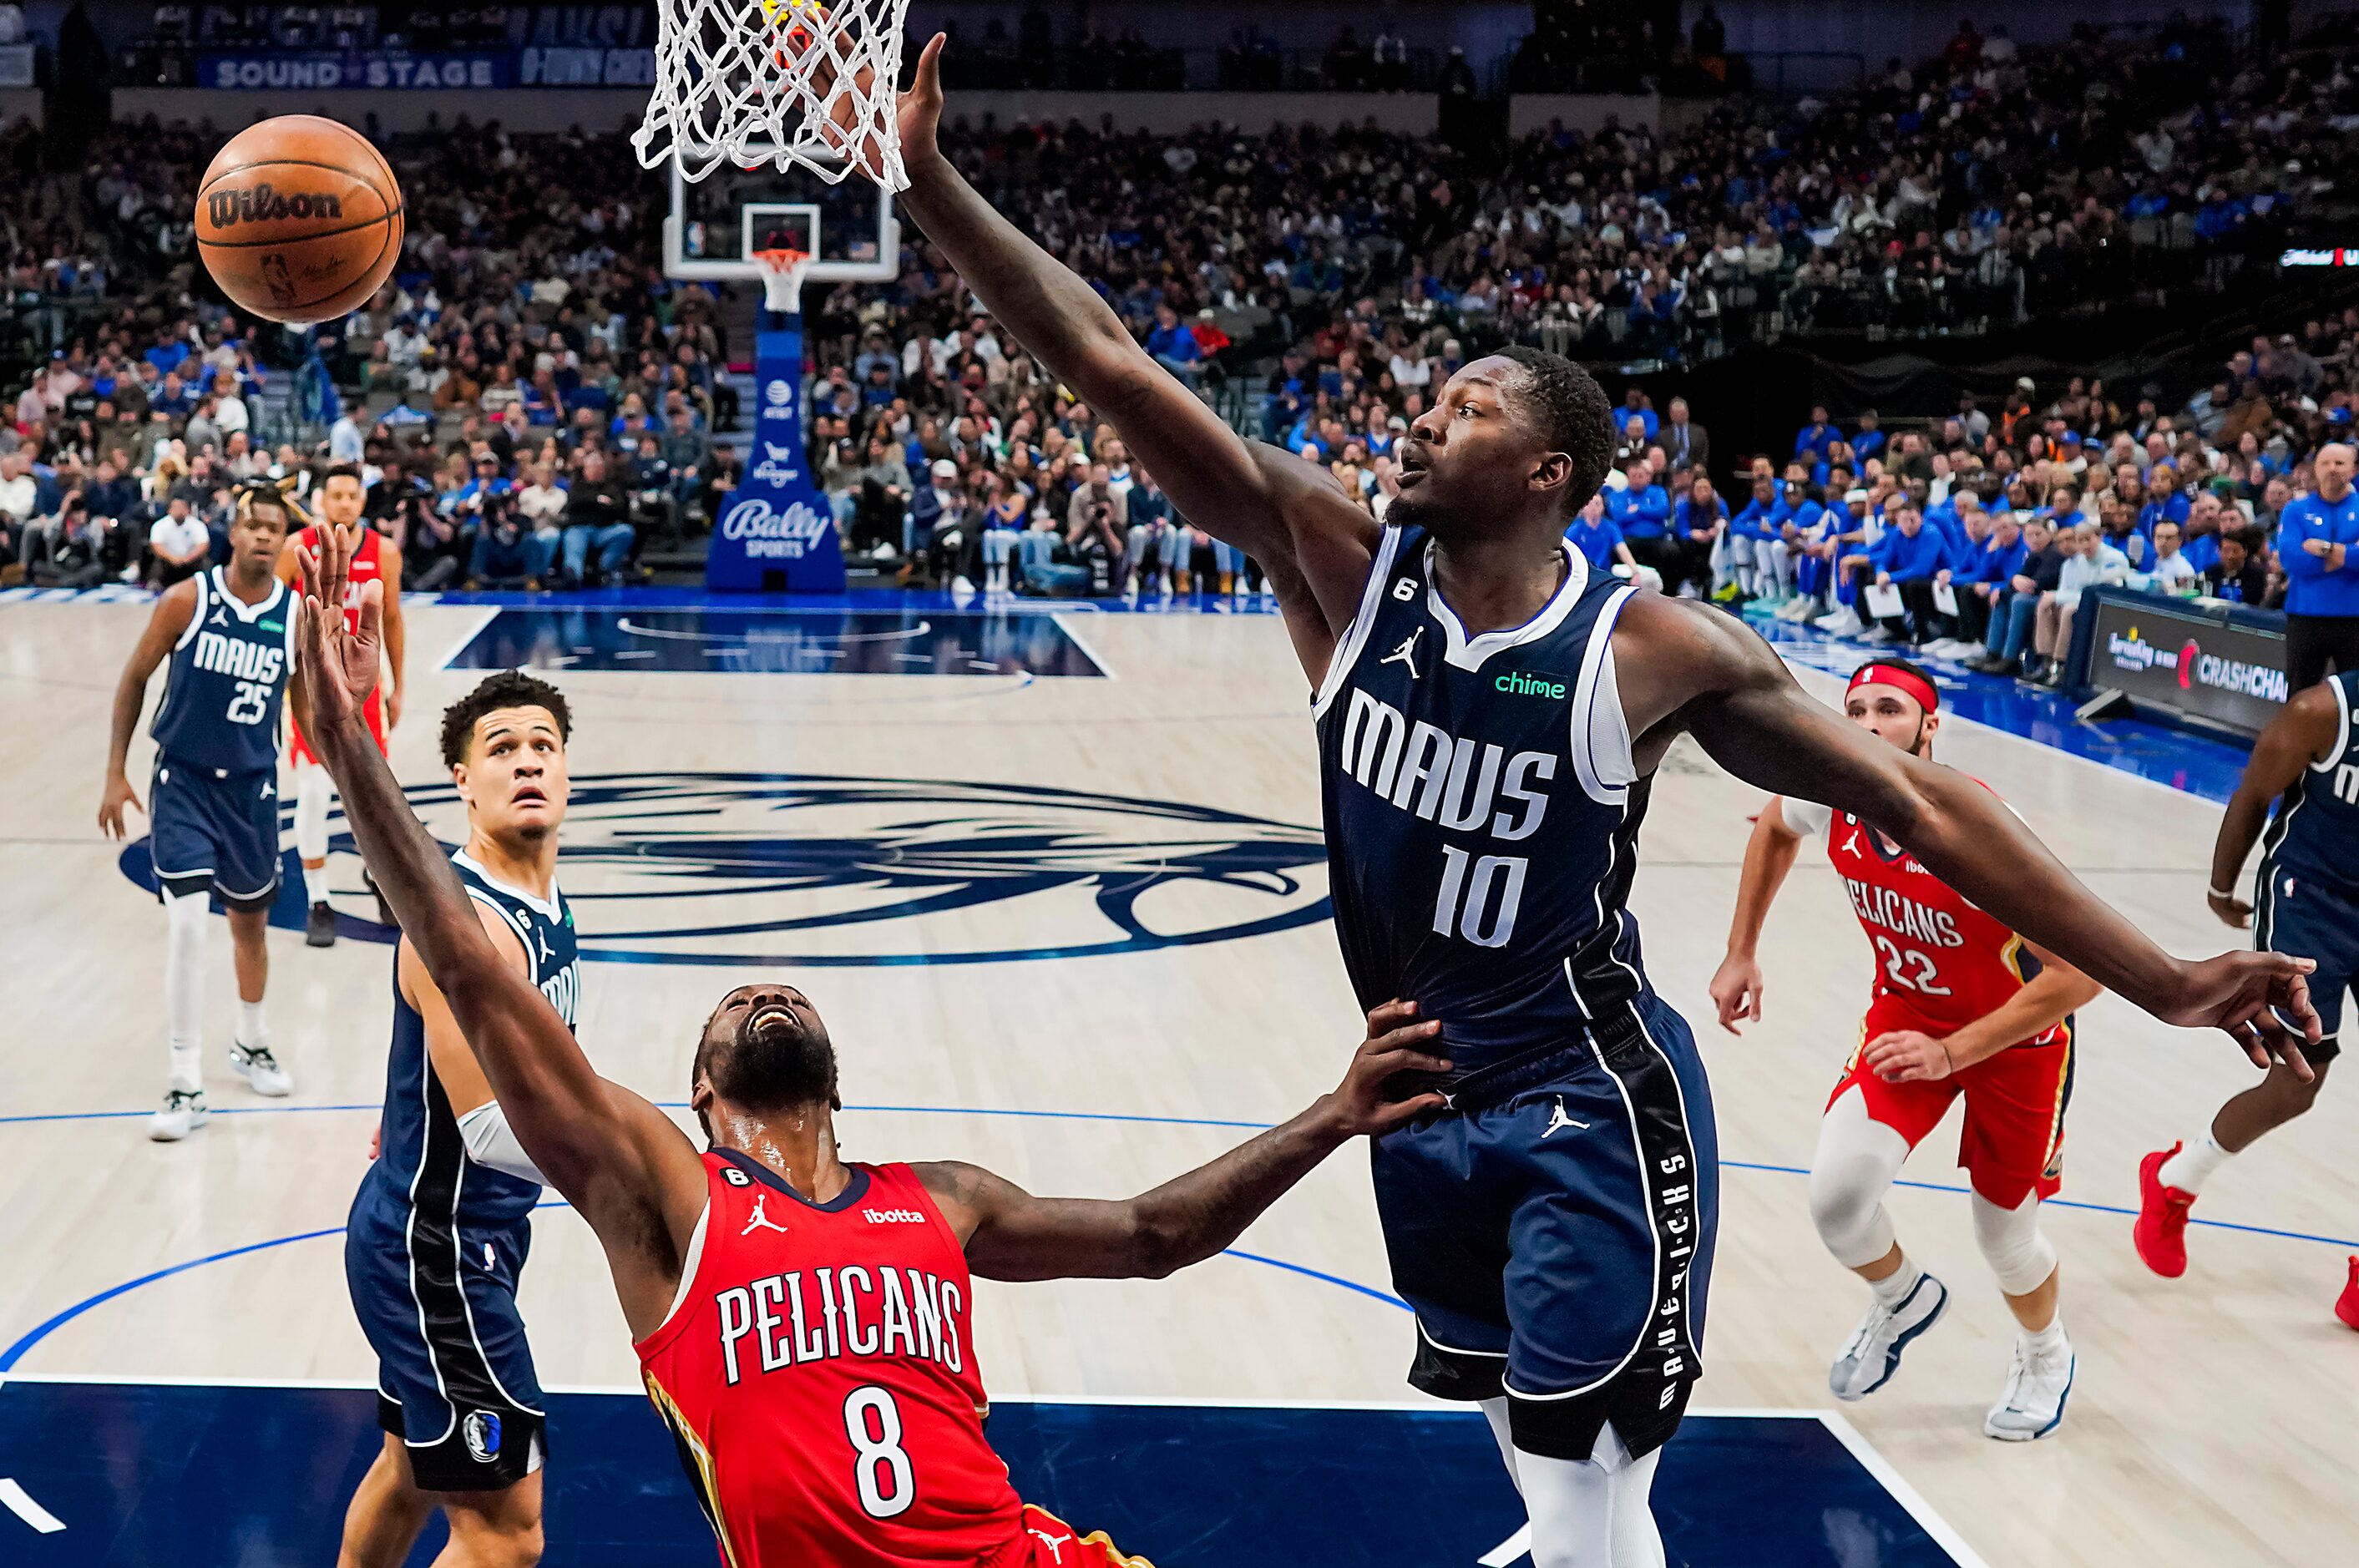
(320, 929)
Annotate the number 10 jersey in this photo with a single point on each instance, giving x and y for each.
(1481, 811)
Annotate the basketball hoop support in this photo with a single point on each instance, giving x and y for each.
(782, 279)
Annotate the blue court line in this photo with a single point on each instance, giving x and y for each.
(1217, 1122)
(32, 1337)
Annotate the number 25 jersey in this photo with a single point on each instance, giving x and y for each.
(1481, 810)
(818, 1373)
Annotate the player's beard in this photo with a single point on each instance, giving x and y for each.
(779, 1062)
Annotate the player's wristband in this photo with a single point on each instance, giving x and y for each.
(2222, 892)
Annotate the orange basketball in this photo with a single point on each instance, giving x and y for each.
(299, 219)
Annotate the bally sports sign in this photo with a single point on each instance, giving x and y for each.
(776, 532)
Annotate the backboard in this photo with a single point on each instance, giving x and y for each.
(717, 223)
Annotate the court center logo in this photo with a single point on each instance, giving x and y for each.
(829, 871)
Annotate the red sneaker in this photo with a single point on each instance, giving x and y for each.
(2161, 1230)
(2347, 1309)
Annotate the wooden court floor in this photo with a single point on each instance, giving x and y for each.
(1168, 965)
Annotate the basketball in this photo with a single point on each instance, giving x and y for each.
(298, 219)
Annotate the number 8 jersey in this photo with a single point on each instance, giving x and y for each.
(1481, 810)
(818, 1373)
(1942, 963)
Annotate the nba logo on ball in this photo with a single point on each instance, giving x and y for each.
(483, 1430)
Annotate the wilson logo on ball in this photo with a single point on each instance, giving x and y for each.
(262, 204)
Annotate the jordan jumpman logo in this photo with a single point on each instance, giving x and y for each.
(760, 1220)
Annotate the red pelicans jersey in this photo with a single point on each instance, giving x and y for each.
(818, 1373)
(367, 567)
(1940, 963)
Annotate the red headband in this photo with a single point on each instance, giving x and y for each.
(1900, 679)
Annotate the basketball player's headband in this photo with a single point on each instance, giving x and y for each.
(1900, 680)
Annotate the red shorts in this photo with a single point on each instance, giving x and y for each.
(373, 712)
(1056, 1544)
(2013, 1139)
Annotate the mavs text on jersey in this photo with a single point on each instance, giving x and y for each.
(214, 802)
(1483, 812)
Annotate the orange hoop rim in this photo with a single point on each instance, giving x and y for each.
(783, 259)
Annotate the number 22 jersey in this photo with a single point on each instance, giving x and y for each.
(1481, 810)
(818, 1373)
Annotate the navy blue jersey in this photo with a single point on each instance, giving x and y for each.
(2315, 834)
(1481, 810)
(227, 673)
(421, 1162)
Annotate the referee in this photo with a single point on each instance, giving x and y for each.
(2318, 546)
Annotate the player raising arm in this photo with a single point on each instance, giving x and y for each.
(1495, 501)
(803, 1324)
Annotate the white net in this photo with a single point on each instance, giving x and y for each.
(784, 81)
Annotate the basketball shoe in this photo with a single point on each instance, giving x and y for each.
(2160, 1233)
(261, 1070)
(183, 1112)
(2038, 1383)
(2347, 1309)
(1872, 1355)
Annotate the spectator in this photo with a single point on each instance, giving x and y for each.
(2318, 549)
(178, 546)
(595, 515)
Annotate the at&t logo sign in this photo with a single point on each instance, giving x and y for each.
(778, 392)
(770, 534)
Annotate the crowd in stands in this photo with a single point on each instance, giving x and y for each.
(532, 400)
(1317, 286)
(1975, 538)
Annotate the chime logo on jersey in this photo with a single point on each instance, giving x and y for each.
(826, 871)
(785, 1320)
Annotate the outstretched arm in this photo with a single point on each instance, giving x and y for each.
(1011, 1235)
(1687, 667)
(2307, 732)
(617, 1159)
(1290, 516)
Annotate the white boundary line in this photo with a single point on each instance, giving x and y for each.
(1878, 1468)
(21, 1504)
(485, 616)
(1082, 643)
(1901, 1491)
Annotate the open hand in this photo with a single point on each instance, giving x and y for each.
(2247, 994)
(2232, 910)
(1369, 1100)
(339, 668)
(862, 139)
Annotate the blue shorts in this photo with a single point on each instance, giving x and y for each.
(1556, 1243)
(211, 830)
(2309, 917)
(454, 1379)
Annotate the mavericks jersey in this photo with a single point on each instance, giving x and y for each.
(2315, 834)
(225, 679)
(818, 1373)
(421, 1162)
(1481, 810)
(1943, 961)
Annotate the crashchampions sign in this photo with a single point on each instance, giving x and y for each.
(775, 531)
(2232, 673)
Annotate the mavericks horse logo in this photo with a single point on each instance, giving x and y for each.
(823, 870)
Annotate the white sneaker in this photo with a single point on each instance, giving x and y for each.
(261, 1070)
(1872, 1355)
(2036, 1387)
(182, 1113)
(1877, 635)
(1836, 621)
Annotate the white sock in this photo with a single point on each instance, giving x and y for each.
(315, 884)
(2045, 1341)
(184, 986)
(1894, 1287)
(312, 789)
(250, 1030)
(2193, 1166)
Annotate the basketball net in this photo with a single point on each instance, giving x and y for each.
(777, 81)
(782, 279)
